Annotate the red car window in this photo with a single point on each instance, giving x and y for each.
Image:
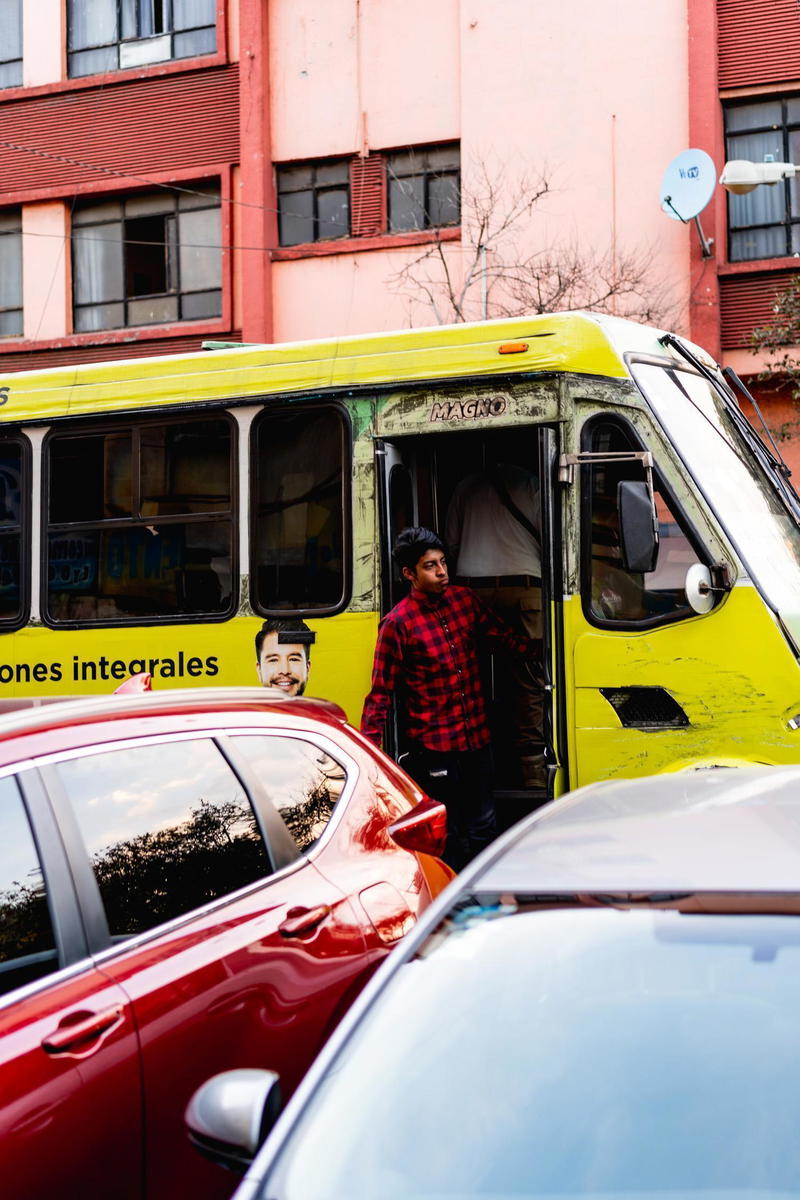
(27, 942)
(301, 779)
(168, 827)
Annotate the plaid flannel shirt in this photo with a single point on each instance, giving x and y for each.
(429, 646)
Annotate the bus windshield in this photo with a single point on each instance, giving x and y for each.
(764, 532)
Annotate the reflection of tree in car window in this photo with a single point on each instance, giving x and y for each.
(168, 828)
(303, 781)
(151, 878)
(309, 809)
(27, 942)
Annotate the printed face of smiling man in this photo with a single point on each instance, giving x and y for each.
(283, 665)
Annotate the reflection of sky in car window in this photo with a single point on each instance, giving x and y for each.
(125, 793)
(290, 768)
(18, 859)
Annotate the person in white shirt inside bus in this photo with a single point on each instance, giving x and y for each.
(492, 533)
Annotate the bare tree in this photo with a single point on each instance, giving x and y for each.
(779, 338)
(489, 277)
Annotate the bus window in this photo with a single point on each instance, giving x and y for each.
(140, 523)
(301, 510)
(612, 594)
(12, 551)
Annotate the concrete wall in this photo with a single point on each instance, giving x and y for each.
(43, 41)
(593, 94)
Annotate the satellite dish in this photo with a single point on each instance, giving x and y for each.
(686, 188)
(688, 185)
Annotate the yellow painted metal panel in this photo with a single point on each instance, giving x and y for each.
(37, 661)
(565, 342)
(731, 671)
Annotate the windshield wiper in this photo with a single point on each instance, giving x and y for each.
(743, 426)
(730, 374)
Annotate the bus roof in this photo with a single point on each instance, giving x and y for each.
(585, 343)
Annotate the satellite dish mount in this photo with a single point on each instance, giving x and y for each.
(686, 188)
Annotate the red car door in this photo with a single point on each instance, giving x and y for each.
(338, 797)
(70, 1120)
(70, 1095)
(226, 962)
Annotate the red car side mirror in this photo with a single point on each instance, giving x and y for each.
(423, 830)
(135, 684)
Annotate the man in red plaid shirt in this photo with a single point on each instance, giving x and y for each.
(428, 650)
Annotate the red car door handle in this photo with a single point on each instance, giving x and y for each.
(83, 1029)
(303, 920)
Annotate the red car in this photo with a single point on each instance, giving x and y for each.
(189, 882)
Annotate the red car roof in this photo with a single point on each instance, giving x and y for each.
(36, 726)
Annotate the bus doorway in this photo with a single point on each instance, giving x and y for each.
(487, 494)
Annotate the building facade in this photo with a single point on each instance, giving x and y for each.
(176, 171)
(181, 170)
(744, 90)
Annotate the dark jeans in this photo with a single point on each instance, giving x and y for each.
(462, 780)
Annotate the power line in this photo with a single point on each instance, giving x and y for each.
(176, 187)
(76, 236)
(171, 187)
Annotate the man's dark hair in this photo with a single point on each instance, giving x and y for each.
(412, 543)
(282, 625)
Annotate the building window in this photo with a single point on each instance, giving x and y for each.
(10, 274)
(314, 202)
(424, 188)
(140, 522)
(113, 35)
(764, 223)
(383, 192)
(148, 259)
(10, 43)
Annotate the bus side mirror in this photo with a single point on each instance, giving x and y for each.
(638, 526)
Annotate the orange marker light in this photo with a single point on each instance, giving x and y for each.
(512, 348)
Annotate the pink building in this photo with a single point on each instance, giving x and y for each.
(182, 170)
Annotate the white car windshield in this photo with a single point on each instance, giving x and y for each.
(564, 1052)
(764, 532)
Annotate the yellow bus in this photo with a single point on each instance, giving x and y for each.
(156, 511)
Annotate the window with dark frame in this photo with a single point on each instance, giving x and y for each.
(114, 35)
(148, 259)
(10, 43)
(13, 551)
(313, 202)
(764, 223)
(612, 594)
(300, 468)
(140, 522)
(424, 187)
(398, 191)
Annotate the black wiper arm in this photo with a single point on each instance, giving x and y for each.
(730, 374)
(738, 417)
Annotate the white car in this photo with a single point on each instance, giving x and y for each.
(606, 1004)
